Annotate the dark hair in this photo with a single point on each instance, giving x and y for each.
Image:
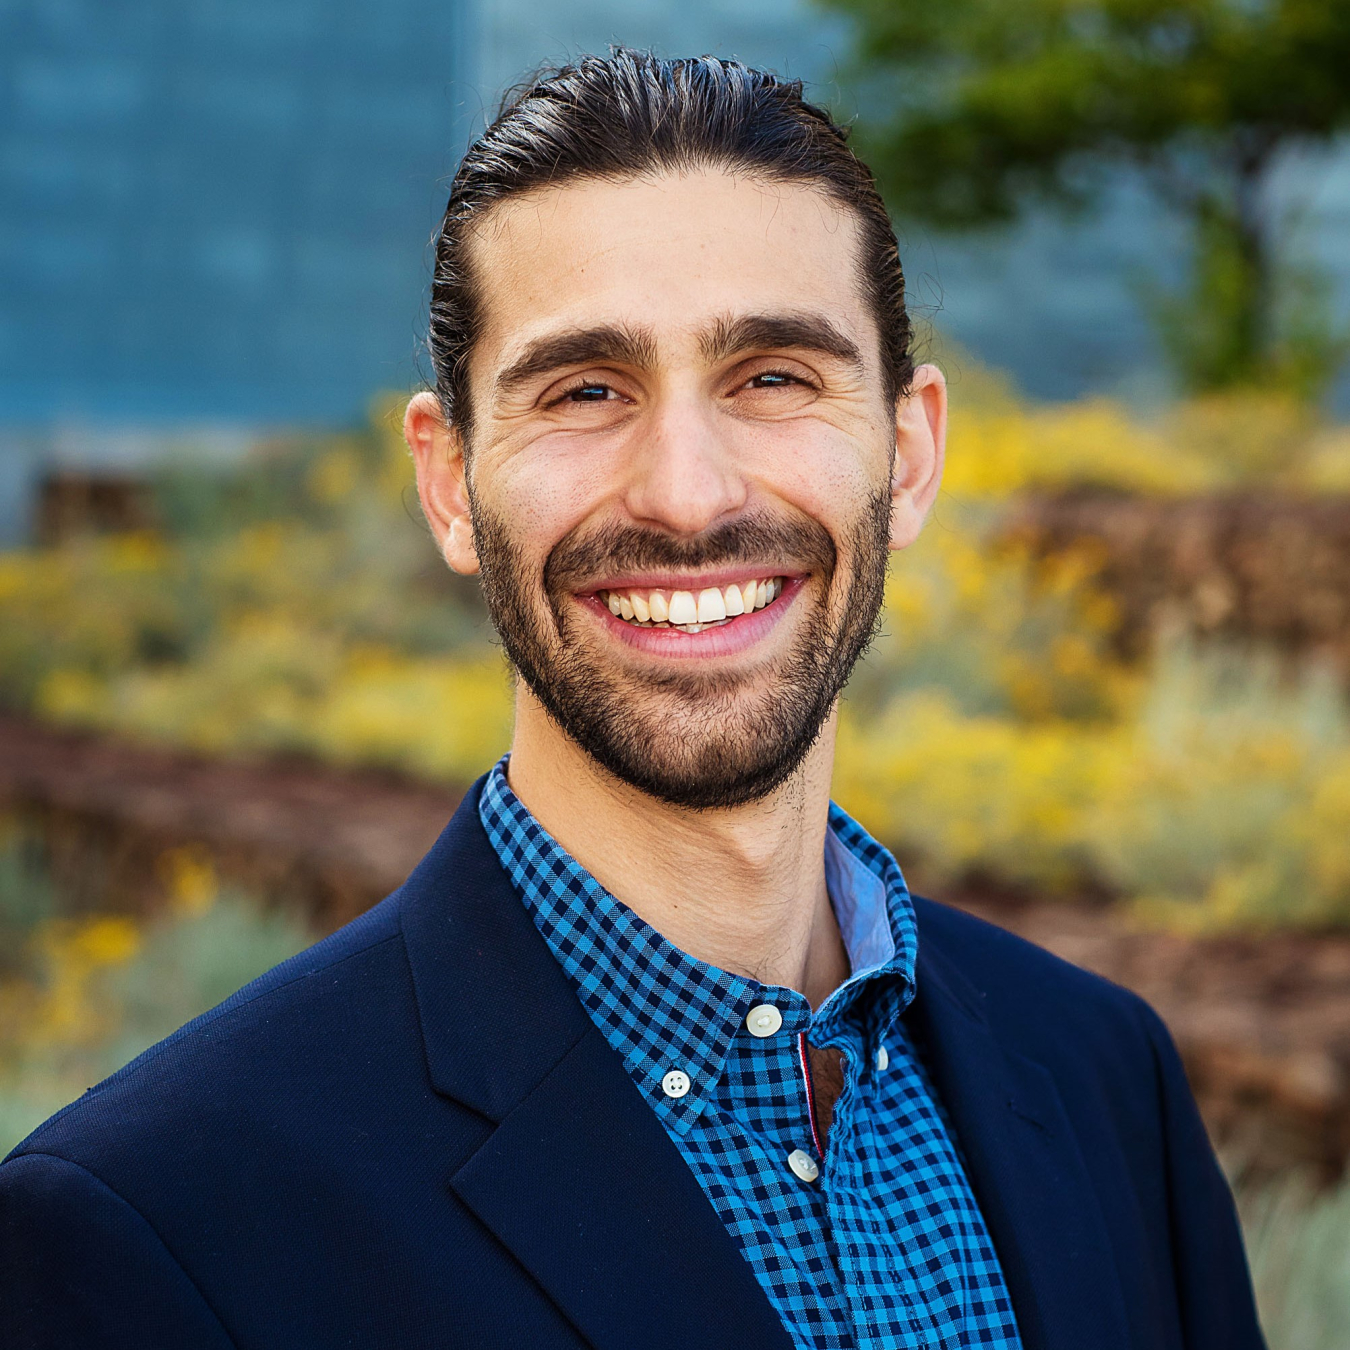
(633, 113)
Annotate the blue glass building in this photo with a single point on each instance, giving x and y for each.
(218, 209)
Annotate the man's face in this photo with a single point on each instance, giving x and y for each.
(680, 470)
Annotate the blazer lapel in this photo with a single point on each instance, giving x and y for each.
(579, 1178)
(1025, 1168)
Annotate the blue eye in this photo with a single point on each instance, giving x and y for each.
(771, 379)
(589, 393)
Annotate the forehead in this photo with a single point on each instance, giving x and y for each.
(670, 253)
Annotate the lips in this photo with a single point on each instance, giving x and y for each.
(714, 639)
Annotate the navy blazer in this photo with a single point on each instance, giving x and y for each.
(411, 1135)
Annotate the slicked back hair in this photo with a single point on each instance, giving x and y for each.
(632, 114)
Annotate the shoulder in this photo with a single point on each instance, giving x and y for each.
(999, 964)
(1044, 1001)
(255, 1053)
(1114, 1068)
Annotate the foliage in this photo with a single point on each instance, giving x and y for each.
(1298, 1243)
(318, 621)
(994, 732)
(995, 631)
(1218, 797)
(83, 994)
(1209, 444)
(991, 104)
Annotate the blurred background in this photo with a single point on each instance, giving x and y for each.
(239, 694)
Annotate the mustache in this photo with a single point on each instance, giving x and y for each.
(630, 548)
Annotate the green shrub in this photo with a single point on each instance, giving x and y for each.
(1298, 1243)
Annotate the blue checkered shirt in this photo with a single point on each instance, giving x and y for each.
(887, 1247)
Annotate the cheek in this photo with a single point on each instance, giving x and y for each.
(827, 476)
(548, 490)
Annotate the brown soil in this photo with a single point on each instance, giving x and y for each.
(1262, 1022)
(1247, 567)
(330, 840)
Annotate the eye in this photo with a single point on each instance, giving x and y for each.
(588, 393)
(779, 379)
(769, 391)
(586, 397)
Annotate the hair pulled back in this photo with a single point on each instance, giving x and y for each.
(633, 114)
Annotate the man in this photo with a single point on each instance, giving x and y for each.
(654, 1049)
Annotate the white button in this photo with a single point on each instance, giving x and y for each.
(883, 1060)
(803, 1164)
(763, 1020)
(675, 1083)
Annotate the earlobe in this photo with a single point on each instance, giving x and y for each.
(458, 549)
(438, 453)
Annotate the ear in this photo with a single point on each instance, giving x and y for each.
(438, 452)
(920, 449)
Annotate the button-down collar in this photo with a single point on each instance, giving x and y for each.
(663, 1010)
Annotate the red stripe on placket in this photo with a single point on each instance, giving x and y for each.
(810, 1093)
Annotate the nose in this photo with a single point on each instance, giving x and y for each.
(684, 474)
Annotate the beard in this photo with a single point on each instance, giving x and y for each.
(698, 739)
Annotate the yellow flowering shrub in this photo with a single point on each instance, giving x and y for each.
(81, 995)
(970, 794)
(1000, 446)
(1215, 798)
(70, 954)
(297, 608)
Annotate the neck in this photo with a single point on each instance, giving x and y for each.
(742, 888)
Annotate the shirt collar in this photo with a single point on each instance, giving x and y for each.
(656, 1005)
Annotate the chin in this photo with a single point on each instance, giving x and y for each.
(730, 754)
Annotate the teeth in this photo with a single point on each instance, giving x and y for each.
(711, 606)
(682, 608)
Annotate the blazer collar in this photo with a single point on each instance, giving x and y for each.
(1024, 1164)
(579, 1179)
(497, 1011)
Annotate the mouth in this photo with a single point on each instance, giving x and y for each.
(690, 611)
(725, 616)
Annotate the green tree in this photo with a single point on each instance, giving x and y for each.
(994, 103)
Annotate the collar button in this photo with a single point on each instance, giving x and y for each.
(675, 1083)
(763, 1020)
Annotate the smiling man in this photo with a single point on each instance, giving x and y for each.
(654, 1048)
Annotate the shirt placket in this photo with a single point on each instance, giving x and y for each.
(791, 1109)
(850, 1207)
(770, 1091)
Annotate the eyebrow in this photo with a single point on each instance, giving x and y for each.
(811, 332)
(579, 347)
